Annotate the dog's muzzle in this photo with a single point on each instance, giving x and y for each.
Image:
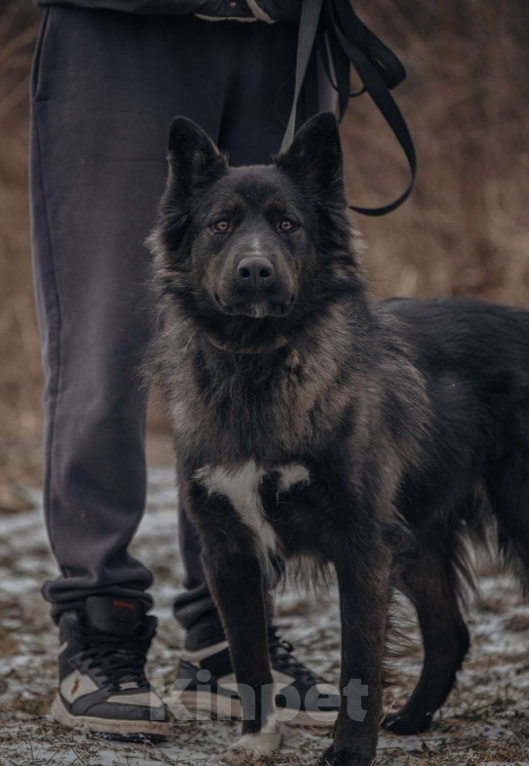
(256, 288)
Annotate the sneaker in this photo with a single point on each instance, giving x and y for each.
(205, 682)
(102, 683)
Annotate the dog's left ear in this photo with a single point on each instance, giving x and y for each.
(315, 155)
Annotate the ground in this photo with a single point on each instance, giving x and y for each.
(486, 720)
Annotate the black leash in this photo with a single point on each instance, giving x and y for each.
(343, 40)
(308, 27)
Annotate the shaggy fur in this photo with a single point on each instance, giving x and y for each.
(310, 423)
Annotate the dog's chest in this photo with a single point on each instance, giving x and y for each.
(249, 488)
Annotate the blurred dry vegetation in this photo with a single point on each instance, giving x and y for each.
(464, 231)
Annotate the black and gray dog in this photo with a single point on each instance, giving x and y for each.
(312, 424)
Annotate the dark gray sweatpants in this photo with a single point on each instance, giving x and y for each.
(105, 87)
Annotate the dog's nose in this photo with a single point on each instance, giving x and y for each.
(256, 273)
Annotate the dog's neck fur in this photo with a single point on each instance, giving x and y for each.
(267, 405)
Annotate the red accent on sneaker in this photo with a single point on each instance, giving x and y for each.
(123, 605)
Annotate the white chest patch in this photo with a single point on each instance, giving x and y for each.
(241, 487)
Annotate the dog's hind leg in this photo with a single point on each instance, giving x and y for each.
(429, 584)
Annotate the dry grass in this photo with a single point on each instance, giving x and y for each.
(20, 371)
(465, 230)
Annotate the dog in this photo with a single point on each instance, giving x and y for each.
(312, 424)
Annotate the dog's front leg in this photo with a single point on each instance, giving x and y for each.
(235, 580)
(363, 578)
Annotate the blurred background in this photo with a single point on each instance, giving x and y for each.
(465, 230)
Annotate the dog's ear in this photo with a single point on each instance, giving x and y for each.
(315, 155)
(193, 157)
(194, 162)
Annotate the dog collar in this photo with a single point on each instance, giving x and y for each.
(279, 343)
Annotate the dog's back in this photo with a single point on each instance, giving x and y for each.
(484, 339)
(474, 357)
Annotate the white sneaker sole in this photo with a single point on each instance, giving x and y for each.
(204, 704)
(106, 726)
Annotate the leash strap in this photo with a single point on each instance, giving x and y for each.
(308, 26)
(344, 39)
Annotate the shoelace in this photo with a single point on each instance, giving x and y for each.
(120, 659)
(283, 659)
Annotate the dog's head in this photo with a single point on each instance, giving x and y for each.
(250, 253)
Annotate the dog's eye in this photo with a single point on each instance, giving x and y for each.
(287, 225)
(221, 225)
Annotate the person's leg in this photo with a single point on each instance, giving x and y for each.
(105, 88)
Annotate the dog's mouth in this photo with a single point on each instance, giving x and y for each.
(257, 308)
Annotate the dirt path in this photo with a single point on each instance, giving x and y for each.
(486, 720)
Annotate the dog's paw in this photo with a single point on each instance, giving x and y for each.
(404, 722)
(253, 746)
(344, 758)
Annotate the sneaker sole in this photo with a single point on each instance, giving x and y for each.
(229, 707)
(117, 728)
